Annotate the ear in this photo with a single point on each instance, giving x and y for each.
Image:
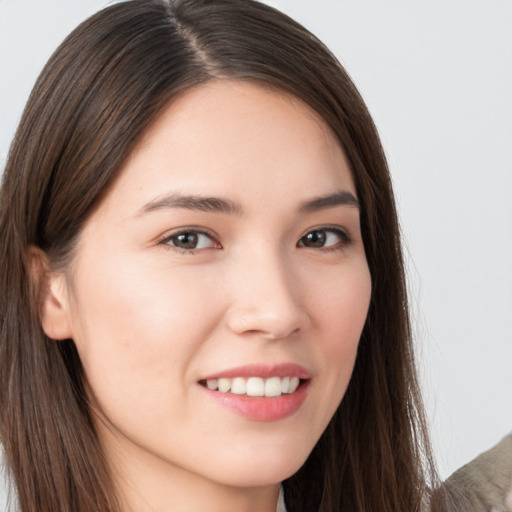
(51, 289)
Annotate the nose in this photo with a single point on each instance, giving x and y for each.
(265, 298)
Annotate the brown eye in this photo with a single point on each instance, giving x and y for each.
(185, 240)
(314, 239)
(324, 238)
(190, 240)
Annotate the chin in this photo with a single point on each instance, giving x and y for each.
(260, 467)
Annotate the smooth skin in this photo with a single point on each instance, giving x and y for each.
(162, 292)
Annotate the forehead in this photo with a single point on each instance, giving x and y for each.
(236, 135)
(226, 99)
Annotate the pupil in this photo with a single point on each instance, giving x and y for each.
(187, 240)
(315, 239)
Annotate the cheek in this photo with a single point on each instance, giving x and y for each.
(341, 313)
(137, 327)
(342, 305)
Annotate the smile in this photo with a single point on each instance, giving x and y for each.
(254, 386)
(259, 392)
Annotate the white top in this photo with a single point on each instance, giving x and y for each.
(280, 501)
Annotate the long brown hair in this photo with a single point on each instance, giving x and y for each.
(98, 93)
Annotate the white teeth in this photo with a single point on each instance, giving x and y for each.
(273, 386)
(224, 385)
(294, 384)
(238, 386)
(255, 386)
(212, 383)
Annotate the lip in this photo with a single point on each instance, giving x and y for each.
(264, 409)
(263, 370)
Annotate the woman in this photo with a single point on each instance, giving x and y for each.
(203, 287)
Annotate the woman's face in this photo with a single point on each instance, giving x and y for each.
(227, 254)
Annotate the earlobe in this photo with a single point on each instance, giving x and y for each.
(51, 289)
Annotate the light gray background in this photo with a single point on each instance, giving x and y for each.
(437, 77)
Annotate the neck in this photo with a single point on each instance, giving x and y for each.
(147, 483)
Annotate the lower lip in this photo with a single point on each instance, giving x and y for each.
(262, 408)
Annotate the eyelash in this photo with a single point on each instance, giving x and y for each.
(344, 237)
(167, 241)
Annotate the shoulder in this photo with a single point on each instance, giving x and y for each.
(485, 483)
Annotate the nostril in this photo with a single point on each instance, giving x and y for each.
(267, 322)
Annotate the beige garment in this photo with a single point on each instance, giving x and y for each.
(485, 483)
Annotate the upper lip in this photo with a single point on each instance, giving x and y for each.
(262, 370)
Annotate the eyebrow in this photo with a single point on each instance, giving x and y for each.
(191, 202)
(221, 205)
(340, 198)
